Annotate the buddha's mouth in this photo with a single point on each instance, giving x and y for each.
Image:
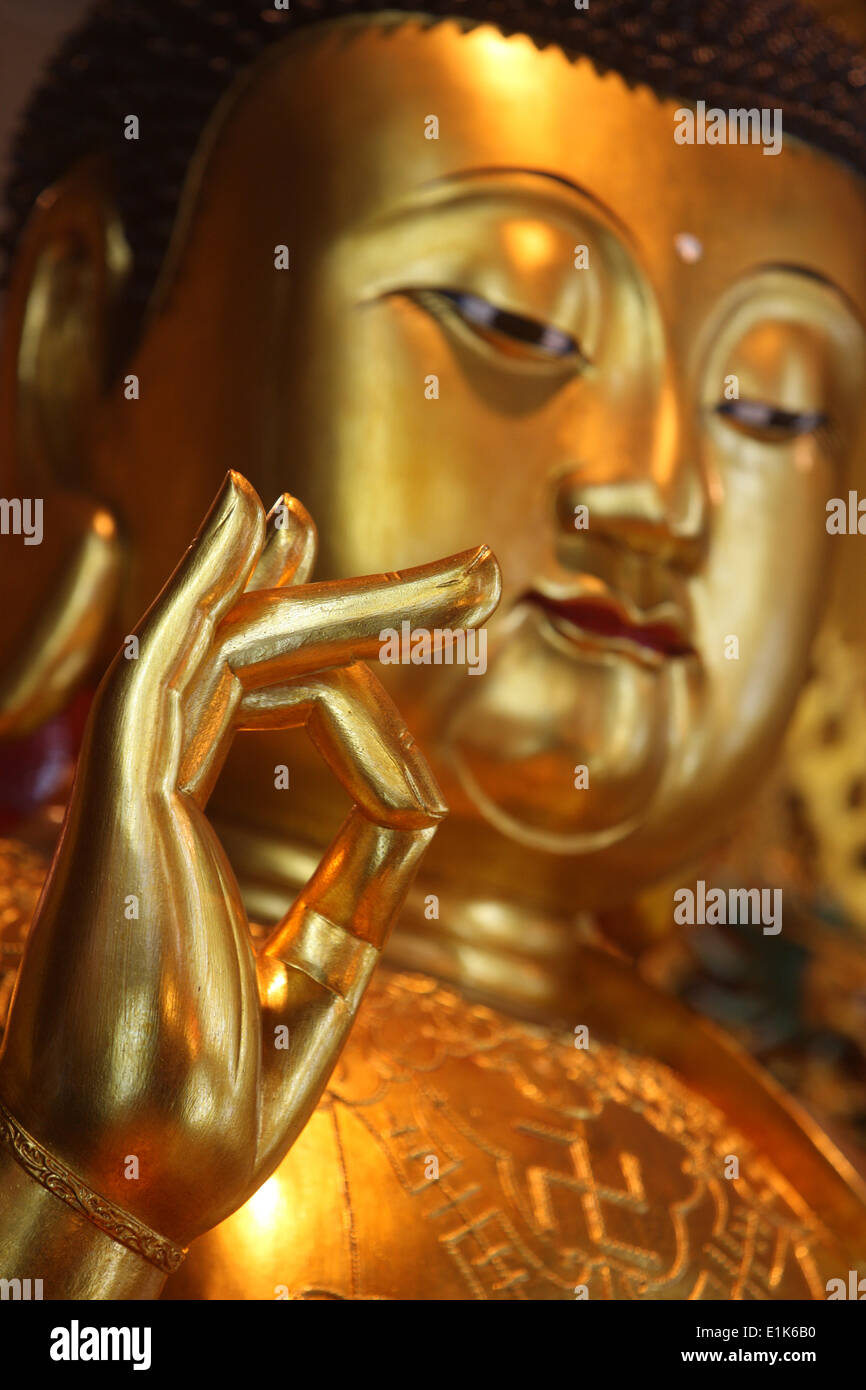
(603, 618)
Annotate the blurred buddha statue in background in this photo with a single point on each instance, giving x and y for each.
(518, 274)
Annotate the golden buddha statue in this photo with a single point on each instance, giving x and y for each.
(448, 277)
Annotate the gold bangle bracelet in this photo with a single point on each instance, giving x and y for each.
(112, 1220)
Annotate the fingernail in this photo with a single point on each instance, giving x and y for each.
(221, 507)
(420, 779)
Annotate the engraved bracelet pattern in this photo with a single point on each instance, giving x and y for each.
(63, 1183)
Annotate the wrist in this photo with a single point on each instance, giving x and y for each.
(43, 1237)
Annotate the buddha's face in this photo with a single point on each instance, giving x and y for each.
(517, 311)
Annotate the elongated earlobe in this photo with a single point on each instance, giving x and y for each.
(59, 549)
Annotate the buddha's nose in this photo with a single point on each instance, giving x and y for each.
(649, 497)
(632, 516)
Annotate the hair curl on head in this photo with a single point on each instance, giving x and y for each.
(169, 62)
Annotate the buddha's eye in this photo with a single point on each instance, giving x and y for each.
(768, 423)
(511, 334)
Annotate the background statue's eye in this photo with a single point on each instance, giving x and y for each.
(768, 422)
(511, 333)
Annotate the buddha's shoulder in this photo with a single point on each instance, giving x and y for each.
(461, 1153)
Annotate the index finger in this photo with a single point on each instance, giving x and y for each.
(275, 634)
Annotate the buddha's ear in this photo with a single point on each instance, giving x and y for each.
(60, 326)
(59, 551)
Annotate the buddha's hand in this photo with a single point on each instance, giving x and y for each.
(150, 1048)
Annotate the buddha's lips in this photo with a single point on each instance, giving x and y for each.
(599, 617)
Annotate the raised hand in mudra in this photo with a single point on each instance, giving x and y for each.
(145, 1025)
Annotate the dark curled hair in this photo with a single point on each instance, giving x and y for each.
(169, 62)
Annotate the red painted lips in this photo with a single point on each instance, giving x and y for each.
(602, 617)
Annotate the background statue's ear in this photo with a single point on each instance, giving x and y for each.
(59, 551)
